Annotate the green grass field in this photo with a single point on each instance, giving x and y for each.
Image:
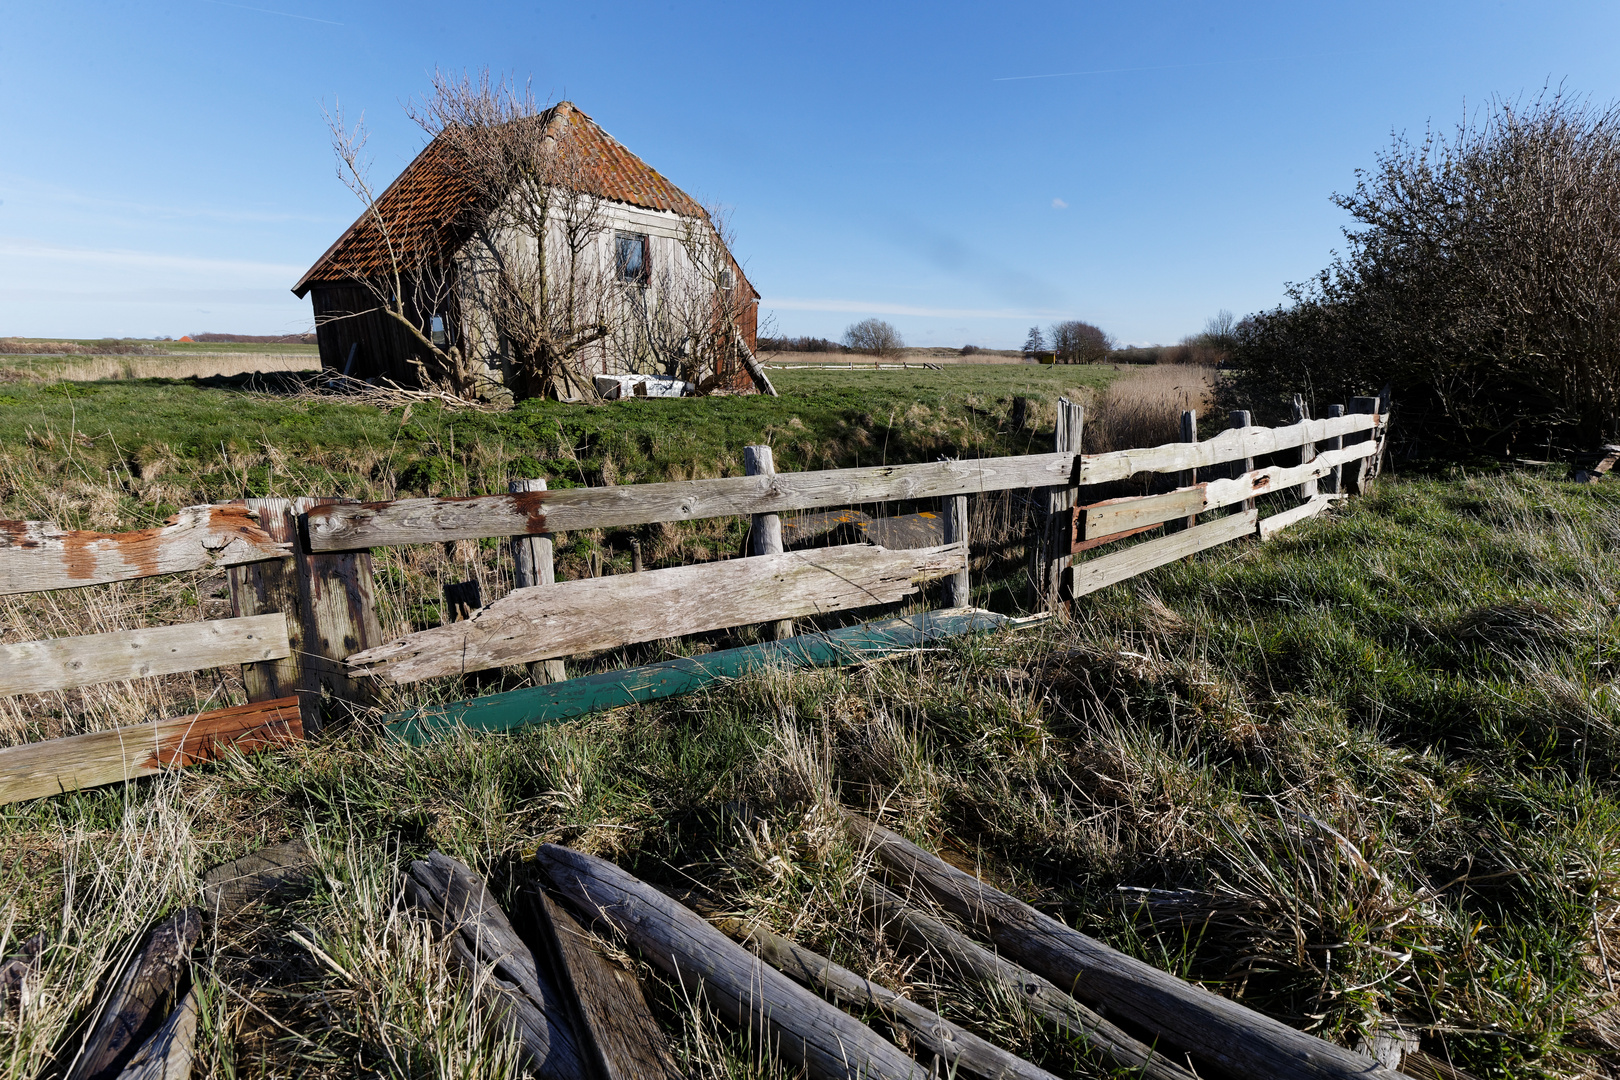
(1364, 772)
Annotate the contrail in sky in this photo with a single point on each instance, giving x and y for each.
(284, 14)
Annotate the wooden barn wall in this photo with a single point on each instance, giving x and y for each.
(384, 348)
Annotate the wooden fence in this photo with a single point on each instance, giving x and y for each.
(307, 634)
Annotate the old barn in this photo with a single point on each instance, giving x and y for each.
(449, 276)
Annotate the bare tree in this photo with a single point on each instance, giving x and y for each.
(874, 336)
(407, 281)
(532, 264)
(1077, 342)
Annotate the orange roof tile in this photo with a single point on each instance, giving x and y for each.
(425, 207)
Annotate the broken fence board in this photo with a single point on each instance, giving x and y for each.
(959, 1050)
(1123, 515)
(1234, 444)
(503, 976)
(828, 1043)
(140, 1000)
(556, 702)
(419, 521)
(607, 612)
(1276, 523)
(36, 556)
(967, 959)
(37, 769)
(33, 667)
(1094, 574)
(622, 1040)
(1240, 1041)
(167, 1054)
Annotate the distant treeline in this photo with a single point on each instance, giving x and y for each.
(256, 339)
(799, 344)
(1188, 352)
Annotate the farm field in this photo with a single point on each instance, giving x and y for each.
(1364, 771)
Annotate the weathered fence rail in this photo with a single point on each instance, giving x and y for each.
(307, 631)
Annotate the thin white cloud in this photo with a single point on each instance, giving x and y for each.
(1059, 204)
(869, 307)
(25, 248)
(283, 14)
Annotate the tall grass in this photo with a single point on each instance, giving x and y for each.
(1144, 407)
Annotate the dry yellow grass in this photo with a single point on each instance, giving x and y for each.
(190, 366)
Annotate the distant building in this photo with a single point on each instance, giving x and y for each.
(656, 254)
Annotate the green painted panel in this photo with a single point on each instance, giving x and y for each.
(611, 689)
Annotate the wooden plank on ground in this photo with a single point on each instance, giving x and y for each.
(959, 1050)
(36, 556)
(140, 1000)
(1237, 1039)
(1122, 515)
(924, 529)
(33, 667)
(1276, 523)
(37, 769)
(557, 702)
(420, 521)
(827, 1043)
(604, 613)
(503, 978)
(623, 1041)
(1233, 444)
(1094, 574)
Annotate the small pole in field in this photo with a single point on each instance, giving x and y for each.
(532, 565)
(765, 534)
(1240, 419)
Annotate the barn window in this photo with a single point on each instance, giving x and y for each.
(727, 279)
(440, 335)
(632, 258)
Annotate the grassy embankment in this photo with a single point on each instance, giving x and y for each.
(1364, 771)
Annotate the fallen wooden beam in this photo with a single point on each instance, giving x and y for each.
(622, 1040)
(502, 975)
(958, 1049)
(1093, 574)
(33, 667)
(1276, 523)
(140, 1000)
(1233, 444)
(420, 521)
(970, 960)
(1120, 515)
(604, 613)
(555, 702)
(828, 1043)
(1236, 1039)
(168, 1051)
(36, 556)
(33, 770)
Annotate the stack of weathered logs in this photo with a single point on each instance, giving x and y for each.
(579, 1016)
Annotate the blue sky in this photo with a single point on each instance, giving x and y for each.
(961, 170)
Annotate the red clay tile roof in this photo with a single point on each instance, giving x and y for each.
(424, 206)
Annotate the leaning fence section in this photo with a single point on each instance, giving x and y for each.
(307, 635)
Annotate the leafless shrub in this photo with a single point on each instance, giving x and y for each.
(874, 337)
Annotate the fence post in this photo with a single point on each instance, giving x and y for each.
(1071, 418)
(340, 619)
(265, 587)
(1240, 419)
(1189, 477)
(1361, 481)
(1331, 480)
(957, 594)
(1307, 451)
(532, 565)
(765, 530)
